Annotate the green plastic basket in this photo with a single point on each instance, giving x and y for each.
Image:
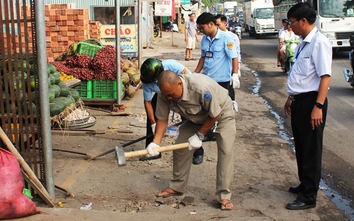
(85, 89)
(89, 47)
(106, 89)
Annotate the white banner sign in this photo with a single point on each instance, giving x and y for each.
(163, 8)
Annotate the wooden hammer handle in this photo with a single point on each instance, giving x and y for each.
(159, 149)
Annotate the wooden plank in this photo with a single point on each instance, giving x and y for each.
(73, 83)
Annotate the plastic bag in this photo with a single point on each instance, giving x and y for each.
(13, 203)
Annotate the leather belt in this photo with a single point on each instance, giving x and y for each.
(303, 95)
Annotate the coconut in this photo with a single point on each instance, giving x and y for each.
(131, 71)
(125, 78)
(136, 79)
(130, 91)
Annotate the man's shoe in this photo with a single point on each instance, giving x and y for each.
(294, 189)
(298, 205)
(187, 59)
(198, 159)
(145, 158)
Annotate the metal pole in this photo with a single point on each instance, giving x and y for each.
(119, 86)
(139, 33)
(44, 97)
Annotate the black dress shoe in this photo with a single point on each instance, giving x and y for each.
(145, 158)
(294, 189)
(198, 159)
(298, 205)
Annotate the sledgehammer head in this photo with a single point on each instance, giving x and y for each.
(120, 156)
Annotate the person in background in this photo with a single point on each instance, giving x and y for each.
(202, 105)
(219, 58)
(307, 104)
(150, 70)
(238, 22)
(191, 36)
(287, 34)
(221, 21)
(285, 22)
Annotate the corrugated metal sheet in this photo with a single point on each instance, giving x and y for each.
(89, 4)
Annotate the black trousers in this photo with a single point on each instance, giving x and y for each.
(228, 87)
(308, 145)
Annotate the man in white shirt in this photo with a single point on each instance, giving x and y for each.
(307, 103)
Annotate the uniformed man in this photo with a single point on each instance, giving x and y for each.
(221, 21)
(219, 58)
(203, 106)
(150, 70)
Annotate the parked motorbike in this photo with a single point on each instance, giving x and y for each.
(348, 74)
(156, 31)
(167, 26)
(289, 54)
(238, 32)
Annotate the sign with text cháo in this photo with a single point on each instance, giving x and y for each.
(128, 38)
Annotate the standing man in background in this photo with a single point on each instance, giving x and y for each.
(307, 86)
(191, 36)
(219, 59)
(221, 22)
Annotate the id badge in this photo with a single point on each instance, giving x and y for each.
(209, 54)
(172, 131)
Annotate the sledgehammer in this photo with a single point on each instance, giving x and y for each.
(122, 156)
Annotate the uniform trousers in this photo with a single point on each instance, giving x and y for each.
(225, 137)
(308, 145)
(229, 88)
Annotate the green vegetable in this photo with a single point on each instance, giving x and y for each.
(56, 108)
(57, 77)
(64, 100)
(64, 90)
(51, 69)
(56, 89)
(32, 82)
(74, 93)
(27, 106)
(51, 95)
(51, 78)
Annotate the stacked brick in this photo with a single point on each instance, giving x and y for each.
(95, 27)
(64, 26)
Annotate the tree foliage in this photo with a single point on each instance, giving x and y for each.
(209, 3)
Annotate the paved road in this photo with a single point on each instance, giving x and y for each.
(338, 155)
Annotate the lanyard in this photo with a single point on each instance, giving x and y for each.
(300, 50)
(211, 43)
